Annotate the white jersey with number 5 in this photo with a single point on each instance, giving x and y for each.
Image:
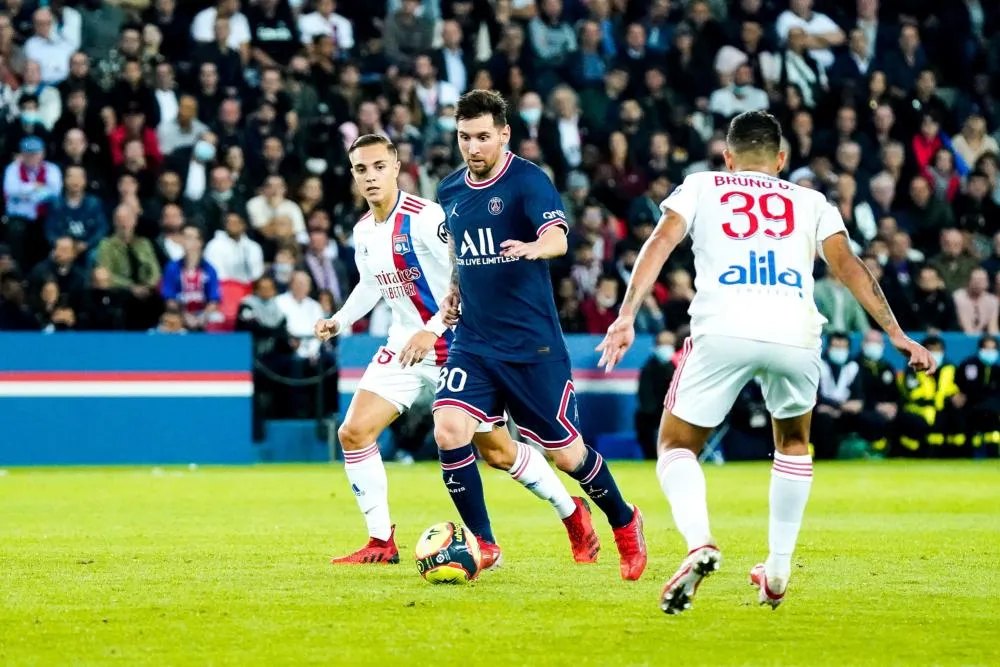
(755, 238)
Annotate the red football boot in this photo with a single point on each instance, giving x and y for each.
(582, 536)
(491, 557)
(375, 552)
(631, 547)
(765, 595)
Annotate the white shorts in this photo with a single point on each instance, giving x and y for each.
(403, 386)
(713, 370)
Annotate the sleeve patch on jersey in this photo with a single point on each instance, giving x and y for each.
(555, 222)
(442, 233)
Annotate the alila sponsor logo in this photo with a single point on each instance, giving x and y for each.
(762, 271)
(399, 283)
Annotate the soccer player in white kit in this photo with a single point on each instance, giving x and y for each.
(402, 254)
(755, 237)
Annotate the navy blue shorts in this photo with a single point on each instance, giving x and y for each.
(539, 396)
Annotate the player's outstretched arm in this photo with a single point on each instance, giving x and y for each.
(850, 270)
(359, 303)
(655, 251)
(552, 243)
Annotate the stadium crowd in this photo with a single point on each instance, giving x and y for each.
(182, 166)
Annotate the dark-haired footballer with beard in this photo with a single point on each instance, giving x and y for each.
(505, 219)
(754, 237)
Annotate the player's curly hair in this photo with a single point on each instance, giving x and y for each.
(754, 132)
(476, 103)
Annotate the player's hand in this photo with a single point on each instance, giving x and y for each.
(512, 248)
(417, 348)
(450, 307)
(325, 329)
(919, 359)
(620, 336)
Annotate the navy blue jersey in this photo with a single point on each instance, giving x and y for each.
(508, 309)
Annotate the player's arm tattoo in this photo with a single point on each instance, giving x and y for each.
(856, 276)
(453, 258)
(653, 255)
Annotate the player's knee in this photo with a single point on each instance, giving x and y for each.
(450, 435)
(352, 436)
(569, 459)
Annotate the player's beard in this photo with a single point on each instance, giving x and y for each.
(484, 170)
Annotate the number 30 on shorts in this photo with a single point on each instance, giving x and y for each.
(452, 378)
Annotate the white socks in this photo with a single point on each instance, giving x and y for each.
(791, 480)
(683, 482)
(535, 474)
(368, 482)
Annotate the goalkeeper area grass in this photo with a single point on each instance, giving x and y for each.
(897, 565)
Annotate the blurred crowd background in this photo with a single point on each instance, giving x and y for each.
(181, 166)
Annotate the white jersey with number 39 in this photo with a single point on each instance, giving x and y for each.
(755, 238)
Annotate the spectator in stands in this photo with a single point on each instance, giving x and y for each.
(218, 200)
(324, 266)
(978, 379)
(185, 130)
(14, 315)
(953, 264)
(234, 255)
(675, 310)
(738, 97)
(839, 307)
(822, 34)
(102, 307)
(39, 102)
(975, 212)
(60, 267)
(49, 48)
(77, 215)
(192, 284)
(992, 263)
(29, 184)
(879, 388)
(903, 64)
(977, 309)
(53, 309)
(326, 21)
(927, 215)
(407, 34)
(131, 261)
(840, 401)
(171, 321)
(933, 308)
(654, 379)
(599, 310)
(974, 142)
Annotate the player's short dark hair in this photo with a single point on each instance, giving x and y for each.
(476, 103)
(373, 140)
(754, 132)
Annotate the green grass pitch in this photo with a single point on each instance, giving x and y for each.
(897, 565)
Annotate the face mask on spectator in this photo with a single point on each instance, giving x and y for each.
(204, 151)
(531, 116)
(606, 301)
(989, 355)
(283, 272)
(873, 351)
(30, 117)
(838, 355)
(664, 353)
(447, 123)
(938, 357)
(223, 196)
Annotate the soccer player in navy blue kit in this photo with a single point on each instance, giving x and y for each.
(504, 217)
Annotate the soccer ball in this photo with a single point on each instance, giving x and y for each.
(447, 553)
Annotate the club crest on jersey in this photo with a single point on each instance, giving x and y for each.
(400, 244)
(495, 206)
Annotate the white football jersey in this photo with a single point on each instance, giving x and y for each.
(755, 238)
(405, 261)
